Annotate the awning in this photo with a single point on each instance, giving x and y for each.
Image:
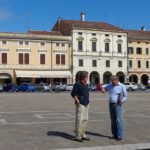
(43, 74)
(4, 77)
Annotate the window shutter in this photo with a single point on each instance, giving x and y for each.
(26, 58)
(4, 58)
(42, 59)
(20, 58)
(63, 59)
(57, 59)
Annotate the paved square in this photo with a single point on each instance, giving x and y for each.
(45, 121)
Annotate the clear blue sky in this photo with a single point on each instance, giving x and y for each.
(21, 15)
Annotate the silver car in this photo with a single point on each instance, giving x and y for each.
(1, 88)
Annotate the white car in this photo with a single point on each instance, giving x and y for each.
(130, 86)
(69, 87)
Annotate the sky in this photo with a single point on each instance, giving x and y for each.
(23, 15)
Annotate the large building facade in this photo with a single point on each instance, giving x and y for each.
(139, 56)
(98, 48)
(35, 57)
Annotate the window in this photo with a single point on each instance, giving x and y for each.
(147, 64)
(42, 59)
(119, 64)
(139, 64)
(138, 50)
(4, 58)
(94, 63)
(119, 36)
(107, 35)
(63, 59)
(107, 47)
(63, 44)
(147, 51)
(26, 43)
(94, 34)
(79, 33)
(60, 59)
(80, 45)
(4, 42)
(107, 63)
(42, 44)
(130, 64)
(80, 62)
(130, 50)
(24, 58)
(20, 42)
(94, 46)
(119, 48)
(57, 44)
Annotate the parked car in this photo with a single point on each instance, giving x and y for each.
(69, 87)
(27, 87)
(130, 86)
(141, 87)
(1, 87)
(92, 87)
(11, 87)
(42, 87)
(58, 87)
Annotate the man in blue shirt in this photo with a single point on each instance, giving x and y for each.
(80, 94)
(117, 96)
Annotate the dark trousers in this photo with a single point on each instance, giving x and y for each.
(116, 120)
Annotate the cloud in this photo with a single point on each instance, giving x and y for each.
(5, 15)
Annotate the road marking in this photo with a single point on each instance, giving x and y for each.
(51, 122)
(3, 122)
(114, 147)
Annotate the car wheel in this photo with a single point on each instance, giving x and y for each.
(130, 89)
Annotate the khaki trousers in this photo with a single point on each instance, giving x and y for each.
(82, 113)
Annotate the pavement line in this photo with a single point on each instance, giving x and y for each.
(114, 147)
(3, 122)
(49, 122)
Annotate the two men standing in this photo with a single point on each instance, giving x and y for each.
(117, 96)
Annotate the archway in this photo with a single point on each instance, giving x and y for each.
(5, 78)
(106, 77)
(94, 77)
(133, 78)
(78, 75)
(144, 79)
(121, 76)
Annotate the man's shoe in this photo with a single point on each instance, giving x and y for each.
(86, 139)
(79, 140)
(119, 139)
(113, 138)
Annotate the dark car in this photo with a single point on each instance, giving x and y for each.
(92, 87)
(27, 87)
(11, 87)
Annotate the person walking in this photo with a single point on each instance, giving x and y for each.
(80, 94)
(117, 96)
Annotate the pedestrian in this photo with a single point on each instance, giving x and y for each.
(80, 94)
(117, 96)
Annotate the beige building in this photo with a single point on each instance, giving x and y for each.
(139, 56)
(36, 56)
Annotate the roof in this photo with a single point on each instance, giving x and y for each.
(38, 32)
(65, 26)
(138, 35)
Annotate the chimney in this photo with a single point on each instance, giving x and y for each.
(59, 23)
(143, 28)
(82, 16)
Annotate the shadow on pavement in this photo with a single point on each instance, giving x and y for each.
(97, 134)
(61, 134)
